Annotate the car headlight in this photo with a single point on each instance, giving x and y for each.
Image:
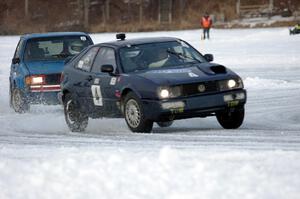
(164, 93)
(230, 84)
(169, 92)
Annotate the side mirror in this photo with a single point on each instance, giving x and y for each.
(16, 60)
(107, 69)
(209, 57)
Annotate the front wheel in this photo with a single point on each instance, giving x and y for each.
(134, 114)
(75, 119)
(231, 119)
(18, 101)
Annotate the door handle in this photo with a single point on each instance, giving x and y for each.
(89, 78)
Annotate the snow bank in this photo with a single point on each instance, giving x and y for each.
(164, 173)
(256, 83)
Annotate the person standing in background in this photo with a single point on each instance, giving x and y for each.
(206, 24)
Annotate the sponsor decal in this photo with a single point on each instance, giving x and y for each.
(171, 71)
(96, 81)
(233, 103)
(191, 74)
(113, 81)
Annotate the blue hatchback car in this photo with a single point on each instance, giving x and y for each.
(149, 80)
(37, 66)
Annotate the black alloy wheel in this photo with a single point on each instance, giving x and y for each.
(231, 119)
(18, 101)
(75, 119)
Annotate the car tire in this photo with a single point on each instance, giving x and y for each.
(231, 120)
(134, 115)
(18, 101)
(165, 124)
(76, 120)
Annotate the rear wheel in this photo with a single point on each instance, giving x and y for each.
(18, 101)
(75, 119)
(165, 124)
(231, 119)
(134, 114)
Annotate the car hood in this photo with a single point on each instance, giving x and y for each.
(193, 73)
(45, 67)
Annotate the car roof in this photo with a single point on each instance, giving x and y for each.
(52, 34)
(129, 42)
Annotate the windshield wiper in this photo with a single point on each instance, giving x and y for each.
(183, 56)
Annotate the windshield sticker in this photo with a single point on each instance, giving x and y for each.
(170, 71)
(83, 38)
(191, 74)
(80, 64)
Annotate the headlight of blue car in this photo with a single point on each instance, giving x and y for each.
(230, 84)
(169, 92)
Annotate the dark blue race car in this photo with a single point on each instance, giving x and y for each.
(149, 80)
(37, 65)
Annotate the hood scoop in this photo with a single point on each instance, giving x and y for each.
(212, 69)
(218, 69)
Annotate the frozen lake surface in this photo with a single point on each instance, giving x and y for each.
(195, 158)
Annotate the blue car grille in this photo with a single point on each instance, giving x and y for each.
(193, 89)
(53, 79)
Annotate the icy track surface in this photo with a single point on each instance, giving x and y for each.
(196, 158)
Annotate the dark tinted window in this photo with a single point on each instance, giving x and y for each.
(85, 63)
(158, 55)
(55, 48)
(105, 56)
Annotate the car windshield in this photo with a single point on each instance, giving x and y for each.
(158, 55)
(55, 48)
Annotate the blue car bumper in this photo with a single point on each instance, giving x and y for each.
(196, 106)
(49, 98)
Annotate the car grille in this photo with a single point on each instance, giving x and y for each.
(53, 79)
(192, 89)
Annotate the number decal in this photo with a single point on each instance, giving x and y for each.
(97, 96)
(113, 81)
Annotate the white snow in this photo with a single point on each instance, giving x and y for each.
(195, 158)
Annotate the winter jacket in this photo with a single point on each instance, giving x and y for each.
(206, 22)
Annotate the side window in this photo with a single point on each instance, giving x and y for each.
(18, 49)
(105, 56)
(85, 63)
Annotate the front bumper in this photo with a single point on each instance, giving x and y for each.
(195, 106)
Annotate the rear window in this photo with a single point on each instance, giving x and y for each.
(55, 48)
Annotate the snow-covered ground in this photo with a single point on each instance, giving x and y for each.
(195, 158)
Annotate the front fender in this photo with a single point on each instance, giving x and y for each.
(143, 88)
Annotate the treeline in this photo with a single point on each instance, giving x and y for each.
(22, 16)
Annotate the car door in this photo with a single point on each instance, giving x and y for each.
(82, 78)
(103, 84)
